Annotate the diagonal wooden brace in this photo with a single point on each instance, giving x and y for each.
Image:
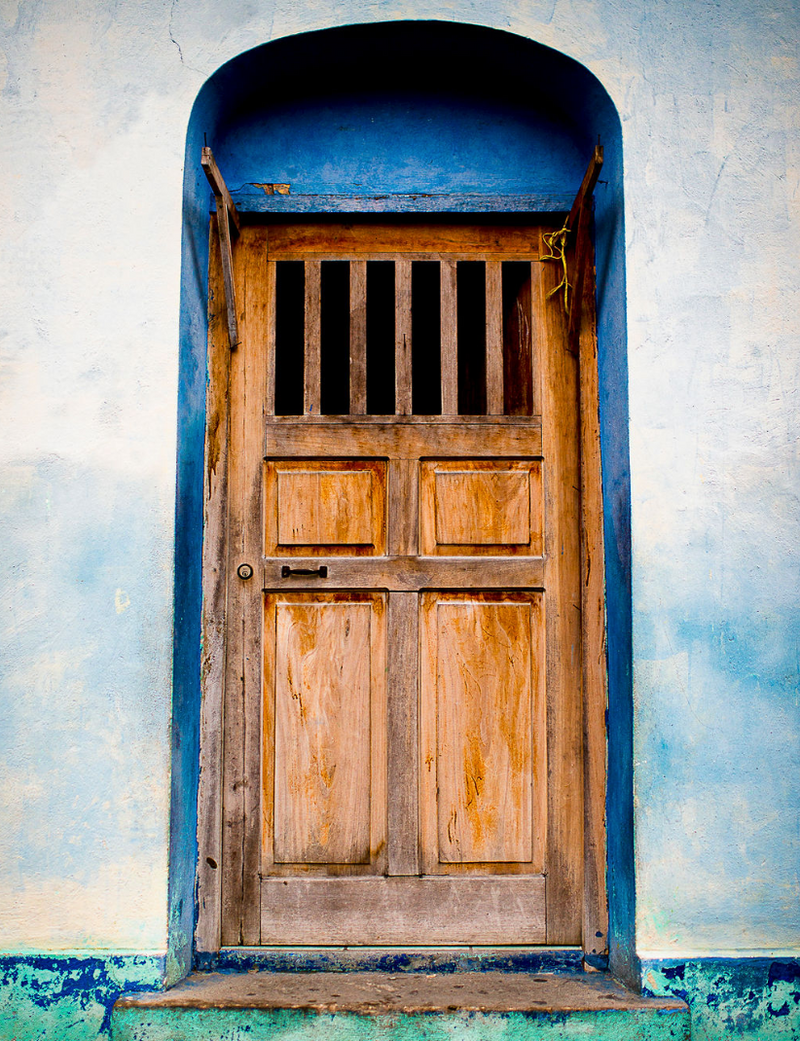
(578, 223)
(227, 226)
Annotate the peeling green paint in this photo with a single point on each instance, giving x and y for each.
(297, 1025)
(752, 999)
(68, 997)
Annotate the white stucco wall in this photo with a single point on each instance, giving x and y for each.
(94, 104)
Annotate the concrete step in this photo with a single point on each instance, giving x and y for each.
(405, 1006)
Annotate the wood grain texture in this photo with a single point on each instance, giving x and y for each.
(595, 680)
(402, 332)
(324, 507)
(403, 538)
(322, 733)
(406, 574)
(403, 798)
(269, 346)
(215, 556)
(242, 726)
(312, 338)
(482, 733)
(563, 616)
(494, 338)
(358, 337)
(449, 338)
(403, 438)
(403, 910)
(478, 507)
(371, 239)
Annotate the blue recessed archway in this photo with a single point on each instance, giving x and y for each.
(430, 109)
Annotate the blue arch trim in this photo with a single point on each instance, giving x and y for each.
(404, 107)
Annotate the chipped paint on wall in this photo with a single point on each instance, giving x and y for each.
(69, 996)
(754, 999)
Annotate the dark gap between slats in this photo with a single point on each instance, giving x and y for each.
(517, 339)
(290, 284)
(471, 311)
(380, 337)
(426, 321)
(335, 338)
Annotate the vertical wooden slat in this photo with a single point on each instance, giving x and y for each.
(311, 374)
(494, 338)
(538, 333)
(234, 721)
(254, 339)
(269, 374)
(223, 223)
(595, 902)
(449, 339)
(358, 337)
(563, 617)
(402, 332)
(215, 533)
(403, 763)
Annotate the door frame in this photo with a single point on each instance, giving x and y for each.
(214, 595)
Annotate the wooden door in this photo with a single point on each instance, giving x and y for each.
(402, 710)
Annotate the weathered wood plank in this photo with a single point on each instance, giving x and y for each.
(403, 910)
(402, 332)
(406, 574)
(402, 532)
(358, 337)
(322, 733)
(563, 618)
(218, 186)
(494, 338)
(595, 683)
(403, 440)
(484, 717)
(313, 316)
(215, 531)
(269, 361)
(236, 680)
(403, 762)
(254, 245)
(391, 239)
(324, 779)
(449, 338)
(481, 507)
(334, 507)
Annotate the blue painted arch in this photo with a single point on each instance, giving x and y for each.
(404, 107)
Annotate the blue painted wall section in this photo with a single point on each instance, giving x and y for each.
(753, 999)
(68, 997)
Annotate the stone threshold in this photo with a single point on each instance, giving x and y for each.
(404, 992)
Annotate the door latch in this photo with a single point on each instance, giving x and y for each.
(304, 572)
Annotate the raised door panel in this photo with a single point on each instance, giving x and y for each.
(482, 732)
(324, 753)
(331, 507)
(481, 507)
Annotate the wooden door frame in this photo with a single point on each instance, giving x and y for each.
(215, 584)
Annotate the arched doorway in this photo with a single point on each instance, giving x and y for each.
(424, 117)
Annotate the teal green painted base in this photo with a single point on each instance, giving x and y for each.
(230, 1024)
(749, 999)
(68, 997)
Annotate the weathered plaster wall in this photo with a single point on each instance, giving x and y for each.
(95, 100)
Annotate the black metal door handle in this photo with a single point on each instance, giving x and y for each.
(303, 572)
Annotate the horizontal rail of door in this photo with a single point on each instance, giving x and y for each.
(404, 438)
(409, 574)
